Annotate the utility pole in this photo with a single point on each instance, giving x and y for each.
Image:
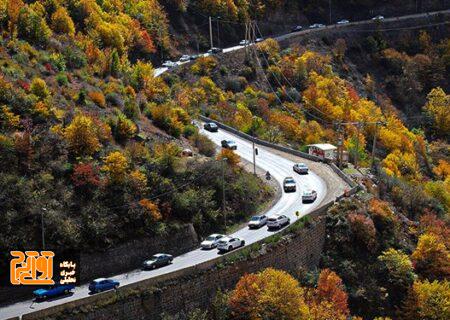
(210, 32)
(42, 228)
(218, 34)
(357, 145)
(329, 5)
(223, 193)
(254, 157)
(374, 144)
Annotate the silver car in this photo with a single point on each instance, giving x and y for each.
(169, 64)
(229, 144)
(185, 58)
(344, 21)
(277, 221)
(301, 168)
(229, 243)
(211, 241)
(289, 185)
(309, 196)
(257, 221)
(378, 18)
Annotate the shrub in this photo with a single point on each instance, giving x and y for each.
(204, 145)
(81, 136)
(62, 79)
(151, 209)
(98, 98)
(232, 158)
(32, 27)
(39, 88)
(85, 175)
(124, 127)
(189, 130)
(204, 65)
(116, 165)
(62, 23)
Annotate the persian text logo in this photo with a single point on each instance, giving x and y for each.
(32, 268)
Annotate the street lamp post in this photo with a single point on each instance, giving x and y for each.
(43, 228)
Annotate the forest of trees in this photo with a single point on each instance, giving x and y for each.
(88, 133)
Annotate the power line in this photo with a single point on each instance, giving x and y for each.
(290, 84)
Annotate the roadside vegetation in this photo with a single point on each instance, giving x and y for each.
(91, 140)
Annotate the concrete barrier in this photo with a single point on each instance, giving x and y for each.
(354, 186)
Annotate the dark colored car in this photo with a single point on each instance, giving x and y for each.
(211, 126)
(158, 260)
(297, 28)
(229, 144)
(194, 57)
(215, 50)
(102, 284)
(53, 291)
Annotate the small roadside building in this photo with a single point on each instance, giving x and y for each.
(325, 151)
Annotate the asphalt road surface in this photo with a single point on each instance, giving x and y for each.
(288, 204)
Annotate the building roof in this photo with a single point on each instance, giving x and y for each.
(323, 146)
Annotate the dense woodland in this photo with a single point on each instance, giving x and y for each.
(89, 134)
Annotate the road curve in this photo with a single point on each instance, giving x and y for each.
(288, 204)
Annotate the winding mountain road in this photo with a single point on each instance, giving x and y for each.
(288, 204)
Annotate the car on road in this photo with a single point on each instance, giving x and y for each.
(185, 58)
(244, 43)
(53, 291)
(344, 21)
(378, 18)
(157, 260)
(211, 241)
(289, 184)
(316, 26)
(277, 221)
(257, 222)
(103, 284)
(215, 50)
(301, 168)
(229, 144)
(259, 40)
(229, 243)
(169, 64)
(211, 127)
(297, 28)
(309, 195)
(194, 57)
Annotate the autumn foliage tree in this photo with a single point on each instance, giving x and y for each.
(270, 294)
(81, 136)
(116, 166)
(431, 257)
(231, 157)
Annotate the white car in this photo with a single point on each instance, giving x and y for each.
(289, 185)
(309, 196)
(211, 241)
(378, 18)
(259, 40)
(301, 168)
(185, 58)
(344, 21)
(277, 221)
(244, 43)
(316, 26)
(257, 221)
(169, 64)
(229, 243)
